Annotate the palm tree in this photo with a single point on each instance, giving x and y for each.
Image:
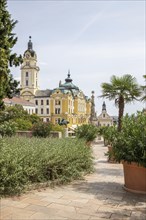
(124, 89)
(144, 91)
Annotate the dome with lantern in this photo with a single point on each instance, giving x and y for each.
(30, 53)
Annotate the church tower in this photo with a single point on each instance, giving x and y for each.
(29, 73)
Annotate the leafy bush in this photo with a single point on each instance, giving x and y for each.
(130, 144)
(42, 129)
(12, 113)
(57, 127)
(18, 115)
(34, 118)
(8, 128)
(109, 134)
(26, 161)
(86, 131)
(23, 124)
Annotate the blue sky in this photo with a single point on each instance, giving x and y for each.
(94, 39)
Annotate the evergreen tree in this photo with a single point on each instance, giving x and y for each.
(8, 86)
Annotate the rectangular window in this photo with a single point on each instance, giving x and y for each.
(47, 110)
(42, 111)
(58, 120)
(36, 111)
(47, 102)
(36, 102)
(57, 102)
(57, 111)
(47, 119)
(26, 74)
(42, 102)
(26, 82)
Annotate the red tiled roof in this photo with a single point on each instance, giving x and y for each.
(19, 101)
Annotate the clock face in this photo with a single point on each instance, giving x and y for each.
(27, 55)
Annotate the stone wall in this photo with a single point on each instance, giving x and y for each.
(53, 134)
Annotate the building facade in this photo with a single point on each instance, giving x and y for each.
(66, 101)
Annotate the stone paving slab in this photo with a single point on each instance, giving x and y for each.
(99, 196)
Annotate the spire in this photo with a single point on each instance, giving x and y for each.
(29, 44)
(68, 73)
(68, 79)
(103, 106)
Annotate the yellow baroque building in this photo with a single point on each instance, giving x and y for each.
(66, 101)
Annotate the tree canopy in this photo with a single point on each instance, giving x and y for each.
(8, 86)
(124, 89)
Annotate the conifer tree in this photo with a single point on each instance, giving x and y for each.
(8, 86)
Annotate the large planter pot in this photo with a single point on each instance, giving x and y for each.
(135, 178)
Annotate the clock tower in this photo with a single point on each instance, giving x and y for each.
(29, 73)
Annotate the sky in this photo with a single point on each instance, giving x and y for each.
(92, 39)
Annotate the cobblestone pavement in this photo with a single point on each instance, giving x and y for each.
(99, 196)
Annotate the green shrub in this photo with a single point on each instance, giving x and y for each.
(8, 128)
(86, 131)
(23, 124)
(25, 161)
(57, 127)
(41, 129)
(34, 118)
(109, 134)
(130, 144)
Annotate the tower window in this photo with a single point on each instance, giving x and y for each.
(26, 74)
(42, 102)
(36, 102)
(42, 111)
(47, 102)
(26, 82)
(103, 115)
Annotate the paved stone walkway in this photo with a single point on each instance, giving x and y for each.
(99, 196)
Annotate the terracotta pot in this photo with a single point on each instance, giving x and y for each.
(135, 178)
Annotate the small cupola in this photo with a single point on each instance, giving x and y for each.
(68, 79)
